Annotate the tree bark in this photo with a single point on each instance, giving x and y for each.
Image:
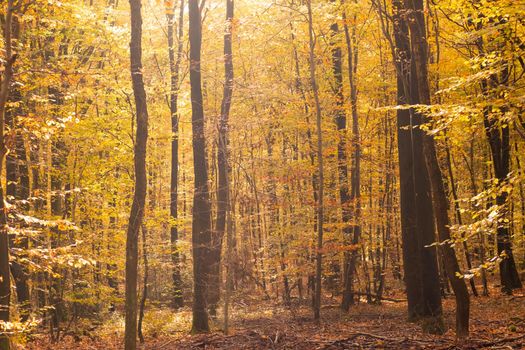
(342, 168)
(17, 180)
(499, 141)
(222, 163)
(355, 194)
(311, 151)
(5, 82)
(144, 297)
(457, 210)
(320, 169)
(417, 221)
(139, 197)
(175, 63)
(201, 226)
(416, 20)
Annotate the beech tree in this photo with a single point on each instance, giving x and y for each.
(223, 166)
(201, 225)
(417, 219)
(175, 63)
(9, 59)
(419, 54)
(344, 193)
(320, 165)
(355, 194)
(139, 198)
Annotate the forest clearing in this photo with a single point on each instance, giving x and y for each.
(262, 174)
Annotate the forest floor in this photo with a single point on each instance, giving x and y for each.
(497, 322)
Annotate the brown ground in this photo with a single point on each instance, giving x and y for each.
(498, 322)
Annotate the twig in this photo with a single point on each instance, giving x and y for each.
(504, 340)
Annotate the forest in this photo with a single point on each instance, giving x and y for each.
(262, 174)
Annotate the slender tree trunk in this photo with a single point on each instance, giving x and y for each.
(175, 62)
(201, 226)
(139, 197)
(355, 195)
(340, 121)
(17, 180)
(499, 141)
(471, 165)
(522, 197)
(144, 297)
(416, 20)
(320, 205)
(230, 250)
(223, 164)
(311, 152)
(457, 210)
(6, 77)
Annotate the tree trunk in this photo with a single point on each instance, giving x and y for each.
(457, 210)
(320, 169)
(139, 197)
(355, 195)
(311, 152)
(201, 226)
(499, 141)
(416, 20)
(340, 121)
(17, 180)
(175, 62)
(6, 77)
(417, 221)
(223, 164)
(144, 297)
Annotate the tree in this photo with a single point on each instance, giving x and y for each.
(224, 198)
(417, 220)
(355, 195)
(498, 136)
(223, 166)
(139, 198)
(175, 63)
(201, 225)
(419, 52)
(320, 167)
(5, 85)
(340, 121)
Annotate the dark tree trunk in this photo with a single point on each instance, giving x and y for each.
(144, 297)
(201, 226)
(459, 218)
(139, 198)
(320, 168)
(17, 179)
(5, 81)
(499, 141)
(355, 194)
(416, 20)
(5, 276)
(340, 121)
(223, 197)
(174, 184)
(223, 165)
(417, 221)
